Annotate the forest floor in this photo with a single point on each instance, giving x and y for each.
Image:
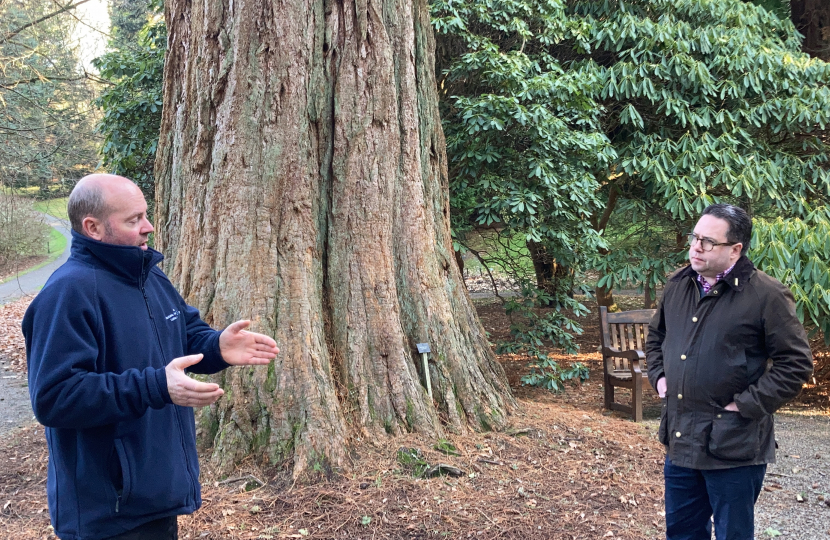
(566, 469)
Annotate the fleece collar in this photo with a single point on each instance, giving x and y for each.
(129, 262)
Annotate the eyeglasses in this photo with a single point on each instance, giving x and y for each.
(706, 244)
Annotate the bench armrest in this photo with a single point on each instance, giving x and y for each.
(637, 358)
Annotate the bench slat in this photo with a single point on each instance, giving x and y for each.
(624, 331)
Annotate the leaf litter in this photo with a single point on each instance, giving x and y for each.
(565, 470)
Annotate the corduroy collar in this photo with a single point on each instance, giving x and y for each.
(740, 274)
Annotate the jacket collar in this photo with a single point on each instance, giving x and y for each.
(740, 274)
(129, 262)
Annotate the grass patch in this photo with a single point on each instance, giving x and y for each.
(53, 207)
(55, 245)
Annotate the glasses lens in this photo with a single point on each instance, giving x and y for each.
(705, 244)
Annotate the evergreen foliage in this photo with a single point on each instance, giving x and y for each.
(127, 18)
(599, 130)
(132, 104)
(671, 105)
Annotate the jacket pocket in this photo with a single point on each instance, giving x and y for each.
(733, 437)
(663, 431)
(126, 481)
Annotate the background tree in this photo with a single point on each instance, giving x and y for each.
(127, 18)
(132, 103)
(780, 7)
(301, 182)
(700, 101)
(45, 116)
(704, 111)
(812, 19)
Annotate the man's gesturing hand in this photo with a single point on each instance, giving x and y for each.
(188, 392)
(242, 348)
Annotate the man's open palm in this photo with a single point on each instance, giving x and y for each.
(242, 348)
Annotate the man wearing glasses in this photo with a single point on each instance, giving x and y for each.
(725, 350)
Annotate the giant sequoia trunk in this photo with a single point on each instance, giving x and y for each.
(302, 183)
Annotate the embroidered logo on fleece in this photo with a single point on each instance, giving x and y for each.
(173, 316)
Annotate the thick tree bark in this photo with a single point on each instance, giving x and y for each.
(302, 183)
(550, 275)
(812, 19)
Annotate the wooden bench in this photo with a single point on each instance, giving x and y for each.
(623, 336)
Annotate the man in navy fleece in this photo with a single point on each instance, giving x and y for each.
(108, 340)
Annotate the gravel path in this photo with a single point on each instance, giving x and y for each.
(802, 468)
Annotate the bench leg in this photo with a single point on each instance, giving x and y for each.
(637, 399)
(608, 388)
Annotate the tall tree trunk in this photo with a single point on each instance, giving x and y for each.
(302, 183)
(550, 275)
(649, 296)
(605, 295)
(812, 19)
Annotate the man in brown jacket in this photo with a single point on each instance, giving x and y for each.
(725, 350)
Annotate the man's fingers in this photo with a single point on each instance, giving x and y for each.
(191, 393)
(262, 339)
(184, 362)
(198, 400)
(198, 387)
(201, 396)
(238, 326)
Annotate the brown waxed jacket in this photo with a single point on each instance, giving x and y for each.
(741, 342)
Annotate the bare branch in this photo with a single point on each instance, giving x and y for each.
(609, 209)
(46, 17)
(43, 78)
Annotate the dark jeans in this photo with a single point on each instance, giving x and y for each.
(160, 529)
(693, 496)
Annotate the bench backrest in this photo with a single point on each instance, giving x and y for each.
(624, 330)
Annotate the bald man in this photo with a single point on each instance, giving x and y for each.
(108, 340)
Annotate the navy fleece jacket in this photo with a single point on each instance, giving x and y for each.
(98, 337)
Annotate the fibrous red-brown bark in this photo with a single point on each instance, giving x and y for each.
(302, 183)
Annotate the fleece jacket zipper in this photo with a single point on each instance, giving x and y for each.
(176, 408)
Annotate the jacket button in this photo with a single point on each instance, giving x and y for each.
(677, 434)
(679, 396)
(694, 319)
(682, 356)
(720, 415)
(714, 292)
